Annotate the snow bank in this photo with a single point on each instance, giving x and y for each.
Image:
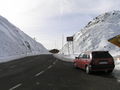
(67, 58)
(96, 34)
(15, 44)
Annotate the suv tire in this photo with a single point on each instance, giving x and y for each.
(87, 69)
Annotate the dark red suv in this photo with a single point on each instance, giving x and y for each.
(95, 61)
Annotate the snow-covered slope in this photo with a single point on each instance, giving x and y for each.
(95, 34)
(15, 44)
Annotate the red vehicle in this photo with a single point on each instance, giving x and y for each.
(95, 61)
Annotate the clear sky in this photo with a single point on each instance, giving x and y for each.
(49, 20)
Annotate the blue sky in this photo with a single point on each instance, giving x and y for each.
(49, 20)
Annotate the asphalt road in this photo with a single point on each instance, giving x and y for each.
(45, 72)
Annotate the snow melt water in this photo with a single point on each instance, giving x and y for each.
(16, 44)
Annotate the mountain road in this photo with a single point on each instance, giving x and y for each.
(45, 72)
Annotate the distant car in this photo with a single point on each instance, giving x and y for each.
(95, 61)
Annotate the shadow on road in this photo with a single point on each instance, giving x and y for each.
(104, 74)
(99, 74)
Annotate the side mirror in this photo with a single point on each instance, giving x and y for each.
(76, 57)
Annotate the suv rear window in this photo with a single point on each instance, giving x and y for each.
(101, 55)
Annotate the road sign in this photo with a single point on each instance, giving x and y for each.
(115, 40)
(70, 38)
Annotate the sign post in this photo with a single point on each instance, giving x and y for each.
(70, 39)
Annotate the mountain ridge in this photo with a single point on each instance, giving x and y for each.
(95, 34)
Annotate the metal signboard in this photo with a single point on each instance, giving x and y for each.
(115, 40)
(70, 38)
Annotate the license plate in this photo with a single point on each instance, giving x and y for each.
(103, 62)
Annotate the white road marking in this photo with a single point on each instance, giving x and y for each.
(54, 62)
(16, 86)
(50, 66)
(39, 73)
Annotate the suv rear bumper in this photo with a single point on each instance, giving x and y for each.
(102, 67)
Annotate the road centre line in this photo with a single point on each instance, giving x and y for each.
(16, 86)
(50, 66)
(39, 73)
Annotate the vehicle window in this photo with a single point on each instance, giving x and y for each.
(84, 56)
(88, 56)
(80, 55)
(101, 55)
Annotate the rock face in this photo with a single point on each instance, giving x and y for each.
(14, 42)
(95, 34)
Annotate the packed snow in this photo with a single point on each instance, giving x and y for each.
(67, 58)
(15, 44)
(95, 35)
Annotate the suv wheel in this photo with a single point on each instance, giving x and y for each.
(87, 69)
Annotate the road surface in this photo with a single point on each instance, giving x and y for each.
(45, 72)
